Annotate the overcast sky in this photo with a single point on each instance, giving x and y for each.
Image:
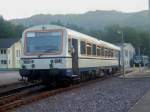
(10, 9)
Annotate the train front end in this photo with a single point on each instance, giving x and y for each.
(44, 53)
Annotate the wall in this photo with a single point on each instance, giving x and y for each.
(13, 55)
(129, 52)
(3, 57)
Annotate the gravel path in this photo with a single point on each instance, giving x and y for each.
(111, 95)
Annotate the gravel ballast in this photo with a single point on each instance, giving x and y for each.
(110, 95)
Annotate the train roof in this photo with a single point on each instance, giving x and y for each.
(77, 35)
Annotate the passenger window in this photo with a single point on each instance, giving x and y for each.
(109, 53)
(98, 51)
(93, 49)
(106, 52)
(102, 51)
(116, 54)
(82, 47)
(89, 49)
(69, 45)
(112, 53)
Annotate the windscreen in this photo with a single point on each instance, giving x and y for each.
(43, 42)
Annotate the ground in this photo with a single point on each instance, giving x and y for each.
(8, 77)
(111, 95)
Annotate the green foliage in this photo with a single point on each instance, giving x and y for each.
(9, 30)
(138, 38)
(111, 34)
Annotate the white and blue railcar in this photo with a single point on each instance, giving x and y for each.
(55, 53)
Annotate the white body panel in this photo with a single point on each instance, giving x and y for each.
(89, 63)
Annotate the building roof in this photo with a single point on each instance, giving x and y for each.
(7, 42)
(125, 44)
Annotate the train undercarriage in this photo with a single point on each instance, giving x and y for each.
(57, 77)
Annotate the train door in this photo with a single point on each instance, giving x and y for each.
(75, 63)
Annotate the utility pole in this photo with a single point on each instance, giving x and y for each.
(149, 25)
(122, 53)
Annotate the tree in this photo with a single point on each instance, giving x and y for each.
(9, 30)
(111, 34)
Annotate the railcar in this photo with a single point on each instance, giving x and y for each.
(55, 54)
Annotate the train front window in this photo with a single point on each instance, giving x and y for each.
(43, 42)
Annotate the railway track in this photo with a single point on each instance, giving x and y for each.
(9, 99)
(16, 87)
(12, 101)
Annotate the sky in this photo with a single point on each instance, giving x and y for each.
(11, 9)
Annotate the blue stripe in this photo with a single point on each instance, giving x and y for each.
(69, 57)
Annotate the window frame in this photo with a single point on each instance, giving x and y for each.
(88, 45)
(98, 48)
(103, 51)
(69, 45)
(85, 52)
(94, 47)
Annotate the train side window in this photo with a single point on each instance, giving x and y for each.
(98, 51)
(106, 52)
(102, 52)
(69, 45)
(89, 49)
(83, 47)
(109, 53)
(94, 50)
(112, 53)
(116, 54)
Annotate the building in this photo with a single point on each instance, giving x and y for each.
(129, 52)
(10, 53)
